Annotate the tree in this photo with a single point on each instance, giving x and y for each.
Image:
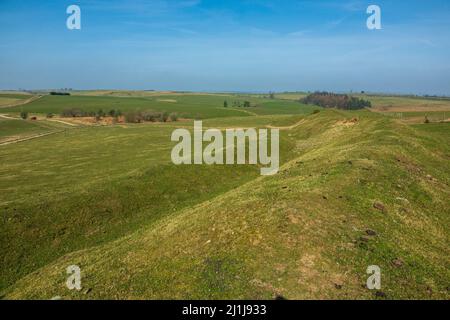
(24, 115)
(225, 104)
(164, 116)
(173, 117)
(246, 104)
(133, 117)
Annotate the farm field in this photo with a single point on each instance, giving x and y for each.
(109, 199)
(291, 95)
(199, 106)
(412, 109)
(408, 104)
(12, 98)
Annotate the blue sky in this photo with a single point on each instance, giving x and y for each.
(218, 45)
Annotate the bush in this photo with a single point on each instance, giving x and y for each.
(133, 117)
(151, 116)
(164, 116)
(24, 115)
(316, 111)
(74, 113)
(173, 117)
(50, 115)
(100, 113)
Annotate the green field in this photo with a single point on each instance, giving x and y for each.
(188, 106)
(109, 199)
(14, 128)
(7, 99)
(11, 130)
(18, 96)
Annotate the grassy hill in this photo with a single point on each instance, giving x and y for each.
(350, 193)
(87, 185)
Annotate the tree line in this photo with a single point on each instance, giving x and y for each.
(333, 100)
(238, 104)
(75, 113)
(53, 93)
(131, 116)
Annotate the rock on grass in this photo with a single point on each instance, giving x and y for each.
(379, 206)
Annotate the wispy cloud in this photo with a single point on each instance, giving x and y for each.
(336, 23)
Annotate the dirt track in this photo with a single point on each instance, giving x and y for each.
(288, 127)
(63, 122)
(21, 103)
(8, 117)
(28, 138)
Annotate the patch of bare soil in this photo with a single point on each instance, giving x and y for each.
(412, 168)
(348, 123)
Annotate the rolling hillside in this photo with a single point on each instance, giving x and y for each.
(355, 189)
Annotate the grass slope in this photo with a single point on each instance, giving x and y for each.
(300, 234)
(90, 185)
(11, 130)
